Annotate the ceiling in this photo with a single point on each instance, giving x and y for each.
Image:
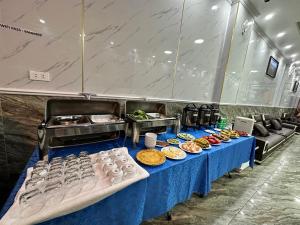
(281, 16)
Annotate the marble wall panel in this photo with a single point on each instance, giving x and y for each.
(21, 116)
(237, 56)
(202, 35)
(255, 87)
(232, 111)
(57, 51)
(3, 155)
(131, 46)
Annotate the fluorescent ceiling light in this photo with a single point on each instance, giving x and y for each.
(169, 61)
(167, 52)
(297, 62)
(254, 71)
(288, 46)
(199, 41)
(269, 16)
(281, 34)
(42, 21)
(293, 55)
(214, 7)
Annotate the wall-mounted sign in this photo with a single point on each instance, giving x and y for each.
(5, 26)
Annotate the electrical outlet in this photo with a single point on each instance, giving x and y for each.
(39, 76)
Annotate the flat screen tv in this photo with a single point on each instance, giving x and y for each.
(272, 67)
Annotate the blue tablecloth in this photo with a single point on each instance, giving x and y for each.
(168, 184)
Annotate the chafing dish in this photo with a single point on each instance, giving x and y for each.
(75, 122)
(157, 119)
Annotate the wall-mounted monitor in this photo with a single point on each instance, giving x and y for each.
(272, 67)
(295, 86)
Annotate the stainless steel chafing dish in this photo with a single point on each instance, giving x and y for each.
(157, 120)
(75, 122)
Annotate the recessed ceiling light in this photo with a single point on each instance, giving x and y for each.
(293, 55)
(199, 41)
(153, 56)
(233, 72)
(167, 52)
(169, 61)
(112, 43)
(281, 34)
(269, 16)
(297, 62)
(254, 71)
(42, 21)
(214, 7)
(288, 46)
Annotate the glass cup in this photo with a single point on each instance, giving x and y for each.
(88, 180)
(121, 162)
(72, 185)
(31, 202)
(129, 171)
(39, 172)
(34, 183)
(108, 167)
(103, 153)
(115, 175)
(53, 193)
(83, 153)
(71, 157)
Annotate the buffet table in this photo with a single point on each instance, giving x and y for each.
(168, 184)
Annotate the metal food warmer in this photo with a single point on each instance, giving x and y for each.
(78, 121)
(156, 121)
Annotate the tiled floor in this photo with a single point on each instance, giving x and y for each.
(269, 194)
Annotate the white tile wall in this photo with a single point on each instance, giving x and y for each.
(125, 45)
(125, 51)
(57, 51)
(238, 51)
(203, 21)
(246, 81)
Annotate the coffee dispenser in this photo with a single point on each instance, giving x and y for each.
(204, 114)
(214, 116)
(189, 116)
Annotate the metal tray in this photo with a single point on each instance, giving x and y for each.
(106, 118)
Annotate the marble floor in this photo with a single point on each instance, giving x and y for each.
(269, 194)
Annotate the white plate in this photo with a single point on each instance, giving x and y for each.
(189, 137)
(210, 131)
(216, 144)
(178, 157)
(180, 146)
(207, 148)
(227, 141)
(217, 129)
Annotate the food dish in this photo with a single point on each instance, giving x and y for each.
(190, 147)
(222, 137)
(210, 131)
(161, 144)
(230, 133)
(203, 143)
(242, 133)
(140, 115)
(212, 140)
(173, 153)
(151, 157)
(173, 141)
(186, 136)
